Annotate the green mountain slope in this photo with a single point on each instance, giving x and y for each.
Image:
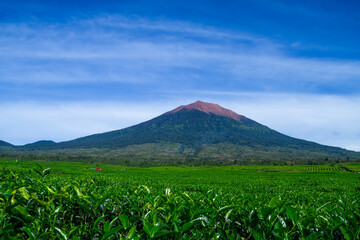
(40, 144)
(192, 126)
(199, 130)
(5, 144)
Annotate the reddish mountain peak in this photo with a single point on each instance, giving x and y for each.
(210, 108)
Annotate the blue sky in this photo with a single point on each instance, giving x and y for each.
(69, 69)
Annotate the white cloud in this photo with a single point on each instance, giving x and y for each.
(136, 51)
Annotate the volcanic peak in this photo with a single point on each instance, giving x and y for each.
(209, 108)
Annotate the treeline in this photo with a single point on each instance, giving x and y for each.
(185, 161)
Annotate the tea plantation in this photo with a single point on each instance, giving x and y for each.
(59, 200)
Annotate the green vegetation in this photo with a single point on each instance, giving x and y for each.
(187, 137)
(174, 154)
(353, 167)
(61, 200)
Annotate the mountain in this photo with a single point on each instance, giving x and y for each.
(200, 131)
(197, 126)
(40, 144)
(5, 144)
(194, 125)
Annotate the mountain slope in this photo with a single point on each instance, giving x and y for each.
(5, 144)
(195, 125)
(40, 144)
(196, 131)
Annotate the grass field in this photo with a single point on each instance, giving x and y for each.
(59, 200)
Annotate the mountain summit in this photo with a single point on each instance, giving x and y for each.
(209, 108)
(199, 130)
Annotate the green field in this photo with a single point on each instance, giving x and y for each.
(60, 200)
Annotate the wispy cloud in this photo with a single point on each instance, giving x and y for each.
(138, 51)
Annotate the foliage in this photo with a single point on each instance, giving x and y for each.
(193, 136)
(70, 201)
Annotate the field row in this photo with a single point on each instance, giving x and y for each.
(72, 201)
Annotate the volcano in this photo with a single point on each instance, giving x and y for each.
(191, 125)
(200, 130)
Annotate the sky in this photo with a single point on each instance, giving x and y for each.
(74, 68)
